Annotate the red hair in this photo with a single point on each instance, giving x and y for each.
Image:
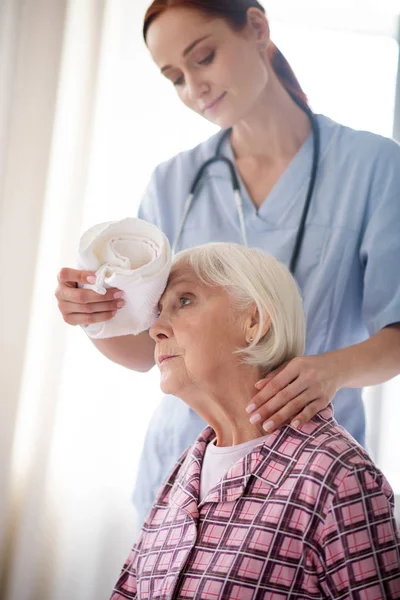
(235, 12)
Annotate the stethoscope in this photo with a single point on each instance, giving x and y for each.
(219, 158)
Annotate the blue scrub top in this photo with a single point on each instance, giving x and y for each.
(348, 269)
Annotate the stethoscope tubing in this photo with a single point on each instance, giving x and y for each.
(311, 186)
(237, 193)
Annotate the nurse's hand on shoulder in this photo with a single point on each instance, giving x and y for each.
(294, 393)
(82, 306)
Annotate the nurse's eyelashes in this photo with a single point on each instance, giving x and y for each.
(208, 60)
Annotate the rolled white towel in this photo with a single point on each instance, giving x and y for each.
(134, 256)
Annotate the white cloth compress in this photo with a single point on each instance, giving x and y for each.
(134, 256)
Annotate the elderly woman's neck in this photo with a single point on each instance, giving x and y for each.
(223, 407)
(236, 431)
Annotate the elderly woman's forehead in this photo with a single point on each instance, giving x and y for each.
(180, 274)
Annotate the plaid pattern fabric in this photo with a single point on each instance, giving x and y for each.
(304, 515)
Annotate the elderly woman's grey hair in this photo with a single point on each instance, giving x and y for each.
(252, 276)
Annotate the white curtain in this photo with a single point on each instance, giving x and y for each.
(30, 58)
(61, 534)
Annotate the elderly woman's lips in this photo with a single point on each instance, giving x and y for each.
(163, 358)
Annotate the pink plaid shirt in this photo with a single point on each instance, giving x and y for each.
(304, 515)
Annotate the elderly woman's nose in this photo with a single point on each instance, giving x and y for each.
(160, 329)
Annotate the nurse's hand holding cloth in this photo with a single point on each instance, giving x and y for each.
(134, 257)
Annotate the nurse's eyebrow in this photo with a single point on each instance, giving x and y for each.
(187, 50)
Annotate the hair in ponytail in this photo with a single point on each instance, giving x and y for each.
(235, 12)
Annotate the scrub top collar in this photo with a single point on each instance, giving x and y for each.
(291, 186)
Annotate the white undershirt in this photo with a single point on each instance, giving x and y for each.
(218, 460)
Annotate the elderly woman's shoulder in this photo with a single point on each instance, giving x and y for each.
(332, 456)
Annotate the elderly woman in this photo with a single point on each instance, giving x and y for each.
(299, 513)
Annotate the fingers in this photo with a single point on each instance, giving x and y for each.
(272, 385)
(294, 394)
(82, 296)
(80, 306)
(88, 319)
(263, 382)
(68, 276)
(308, 413)
(290, 395)
(297, 412)
(68, 290)
(71, 311)
(260, 385)
(289, 413)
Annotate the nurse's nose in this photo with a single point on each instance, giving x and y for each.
(196, 88)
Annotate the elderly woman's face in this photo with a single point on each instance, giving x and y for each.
(197, 331)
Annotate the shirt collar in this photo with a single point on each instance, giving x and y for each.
(270, 462)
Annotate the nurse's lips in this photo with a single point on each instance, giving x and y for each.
(214, 104)
(163, 357)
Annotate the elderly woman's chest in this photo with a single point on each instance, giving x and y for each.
(229, 551)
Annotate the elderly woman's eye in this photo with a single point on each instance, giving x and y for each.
(184, 301)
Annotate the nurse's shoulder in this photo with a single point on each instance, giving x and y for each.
(170, 183)
(366, 149)
(360, 174)
(377, 160)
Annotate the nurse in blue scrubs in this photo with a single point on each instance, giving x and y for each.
(219, 56)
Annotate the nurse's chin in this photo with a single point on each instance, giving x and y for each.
(222, 122)
(224, 118)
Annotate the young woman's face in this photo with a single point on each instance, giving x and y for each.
(218, 72)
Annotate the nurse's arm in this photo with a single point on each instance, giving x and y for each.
(80, 306)
(307, 384)
(134, 352)
(369, 363)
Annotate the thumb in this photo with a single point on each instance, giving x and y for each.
(263, 382)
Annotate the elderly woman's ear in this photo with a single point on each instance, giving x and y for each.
(252, 324)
